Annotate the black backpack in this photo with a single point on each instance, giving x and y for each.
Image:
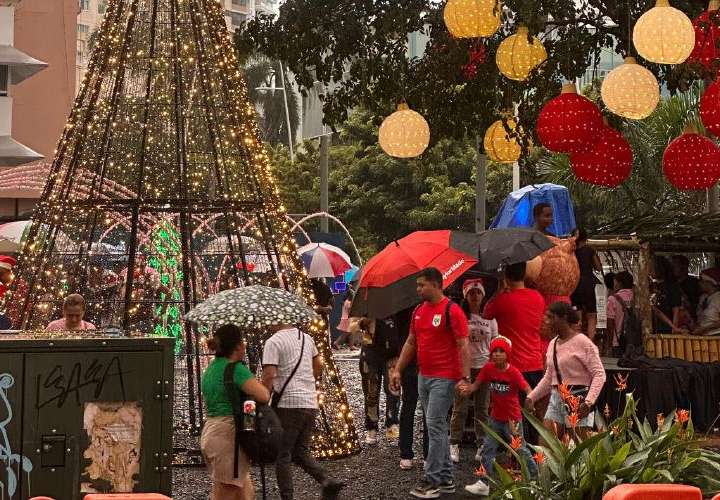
(630, 335)
(261, 445)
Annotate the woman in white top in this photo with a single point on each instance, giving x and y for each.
(482, 331)
(708, 313)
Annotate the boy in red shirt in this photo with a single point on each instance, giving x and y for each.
(505, 383)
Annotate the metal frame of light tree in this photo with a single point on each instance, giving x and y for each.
(163, 111)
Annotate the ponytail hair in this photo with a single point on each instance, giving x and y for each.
(225, 340)
(565, 311)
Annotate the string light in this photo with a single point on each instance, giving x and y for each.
(161, 154)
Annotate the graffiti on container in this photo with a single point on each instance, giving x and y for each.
(57, 386)
(12, 462)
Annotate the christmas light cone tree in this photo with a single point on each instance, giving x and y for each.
(161, 194)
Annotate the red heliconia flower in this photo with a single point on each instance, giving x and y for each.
(682, 416)
(539, 458)
(692, 162)
(608, 163)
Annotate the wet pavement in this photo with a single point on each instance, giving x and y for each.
(372, 474)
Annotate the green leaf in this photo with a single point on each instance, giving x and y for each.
(619, 458)
(580, 449)
(553, 443)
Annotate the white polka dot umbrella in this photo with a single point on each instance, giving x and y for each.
(253, 308)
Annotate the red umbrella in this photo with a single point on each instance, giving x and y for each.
(387, 281)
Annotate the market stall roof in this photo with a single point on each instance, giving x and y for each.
(677, 233)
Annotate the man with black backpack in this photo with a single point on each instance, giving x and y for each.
(439, 338)
(291, 365)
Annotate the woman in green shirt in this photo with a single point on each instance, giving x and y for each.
(217, 441)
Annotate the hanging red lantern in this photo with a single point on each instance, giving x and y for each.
(608, 163)
(569, 123)
(710, 108)
(691, 161)
(707, 36)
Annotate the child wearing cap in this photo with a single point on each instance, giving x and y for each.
(481, 332)
(505, 383)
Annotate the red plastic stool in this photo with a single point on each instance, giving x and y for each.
(126, 496)
(653, 492)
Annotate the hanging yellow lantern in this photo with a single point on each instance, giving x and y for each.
(664, 34)
(630, 90)
(472, 18)
(404, 134)
(517, 56)
(499, 146)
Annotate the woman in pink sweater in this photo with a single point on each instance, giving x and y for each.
(573, 361)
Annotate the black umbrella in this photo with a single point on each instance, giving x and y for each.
(501, 247)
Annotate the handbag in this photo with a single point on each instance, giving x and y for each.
(580, 391)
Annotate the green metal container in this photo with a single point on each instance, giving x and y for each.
(84, 414)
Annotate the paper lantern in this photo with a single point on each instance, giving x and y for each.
(516, 56)
(707, 36)
(499, 146)
(405, 133)
(630, 90)
(569, 123)
(608, 163)
(664, 34)
(710, 108)
(472, 18)
(692, 162)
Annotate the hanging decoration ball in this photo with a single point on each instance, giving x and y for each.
(405, 133)
(707, 36)
(569, 123)
(499, 146)
(692, 162)
(710, 108)
(519, 54)
(630, 90)
(608, 163)
(664, 34)
(472, 18)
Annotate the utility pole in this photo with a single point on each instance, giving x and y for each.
(324, 179)
(480, 188)
(516, 176)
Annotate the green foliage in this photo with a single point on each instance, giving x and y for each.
(646, 191)
(381, 198)
(360, 50)
(628, 451)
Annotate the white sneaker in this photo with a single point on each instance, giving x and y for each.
(455, 453)
(371, 438)
(406, 464)
(479, 488)
(479, 455)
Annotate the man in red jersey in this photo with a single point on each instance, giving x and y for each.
(519, 312)
(439, 339)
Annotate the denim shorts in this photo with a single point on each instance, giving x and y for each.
(557, 411)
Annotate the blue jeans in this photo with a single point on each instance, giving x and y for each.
(436, 397)
(491, 446)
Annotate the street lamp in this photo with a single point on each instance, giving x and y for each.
(287, 109)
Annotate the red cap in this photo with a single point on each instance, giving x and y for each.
(7, 262)
(501, 342)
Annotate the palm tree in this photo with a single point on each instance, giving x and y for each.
(646, 191)
(263, 78)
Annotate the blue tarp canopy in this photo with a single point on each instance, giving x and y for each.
(517, 209)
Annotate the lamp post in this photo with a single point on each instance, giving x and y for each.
(287, 109)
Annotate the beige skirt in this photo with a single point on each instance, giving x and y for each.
(217, 444)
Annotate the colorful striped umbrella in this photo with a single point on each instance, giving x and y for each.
(324, 261)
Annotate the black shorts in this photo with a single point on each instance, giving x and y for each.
(584, 299)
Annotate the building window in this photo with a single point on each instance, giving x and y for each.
(102, 6)
(84, 4)
(237, 18)
(240, 4)
(4, 77)
(83, 29)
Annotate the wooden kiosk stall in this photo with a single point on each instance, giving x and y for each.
(631, 245)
